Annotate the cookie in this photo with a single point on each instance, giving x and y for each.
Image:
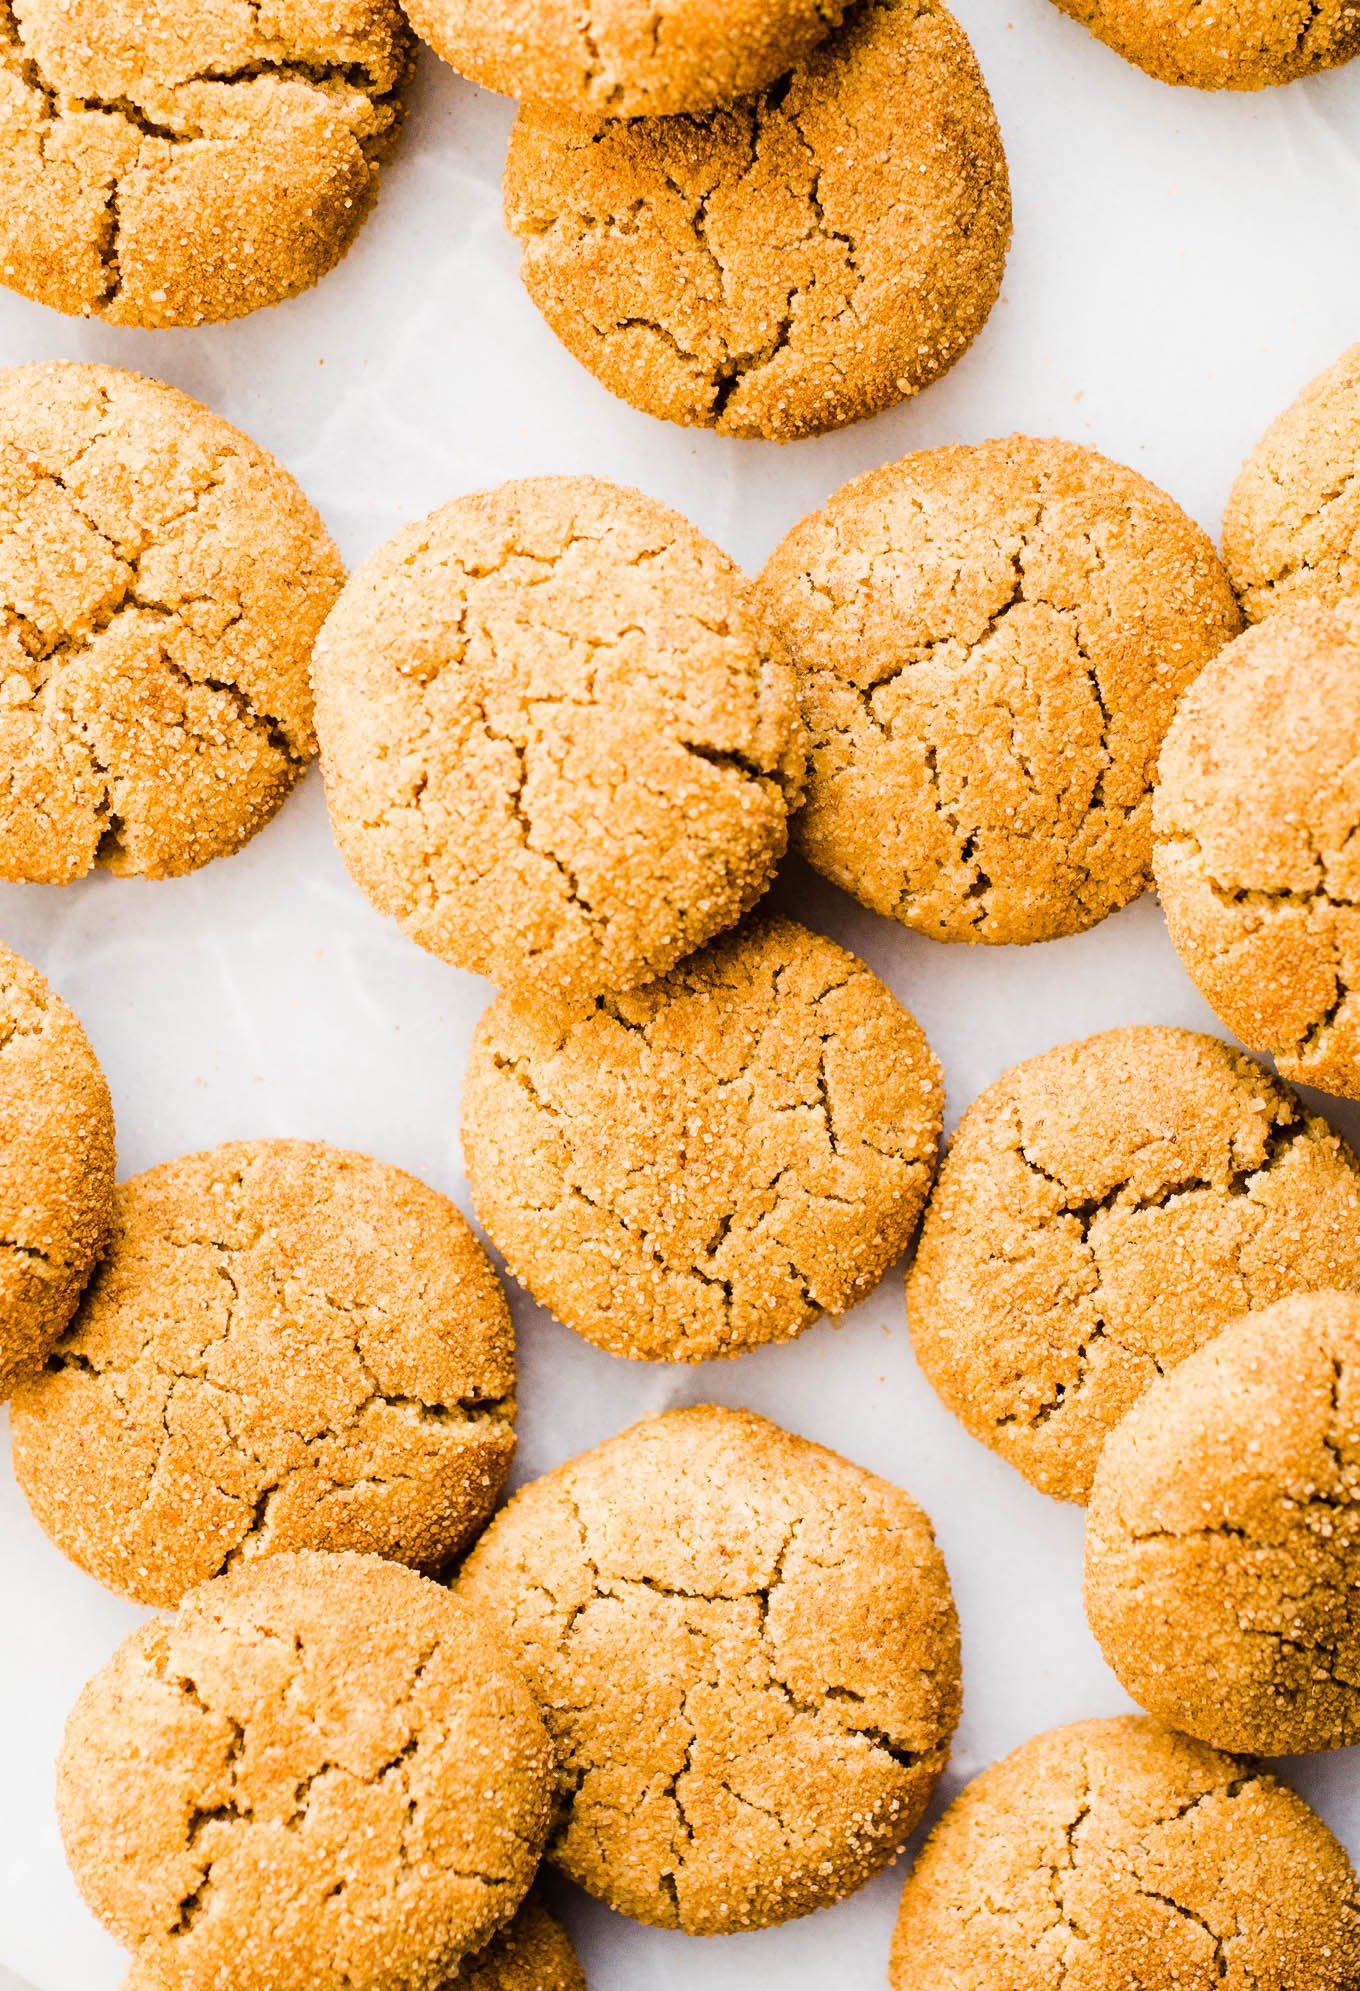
(1257, 854)
(1115, 1854)
(559, 745)
(1291, 531)
(161, 583)
(191, 161)
(621, 58)
(711, 1162)
(1104, 1210)
(56, 1166)
(1223, 1537)
(991, 642)
(746, 1652)
(1226, 44)
(321, 1775)
(285, 1347)
(801, 260)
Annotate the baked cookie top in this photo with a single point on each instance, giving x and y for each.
(285, 1346)
(805, 258)
(991, 642)
(746, 1651)
(1225, 44)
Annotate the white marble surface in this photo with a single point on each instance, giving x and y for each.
(1182, 262)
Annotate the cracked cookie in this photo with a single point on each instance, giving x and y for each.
(1224, 44)
(285, 1346)
(991, 642)
(746, 1652)
(56, 1166)
(711, 1162)
(1291, 530)
(796, 262)
(191, 161)
(1114, 1854)
(559, 744)
(1104, 1210)
(624, 58)
(1257, 857)
(161, 583)
(321, 1775)
(1223, 1536)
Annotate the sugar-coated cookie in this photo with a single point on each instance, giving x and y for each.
(991, 641)
(800, 260)
(286, 1346)
(1225, 44)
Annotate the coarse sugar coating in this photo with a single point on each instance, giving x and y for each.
(713, 1161)
(560, 746)
(1120, 1856)
(161, 581)
(746, 1651)
(1223, 1536)
(991, 640)
(286, 1346)
(321, 1775)
(1225, 44)
(1257, 857)
(1103, 1210)
(194, 160)
(805, 258)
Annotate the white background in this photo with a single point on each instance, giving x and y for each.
(1182, 262)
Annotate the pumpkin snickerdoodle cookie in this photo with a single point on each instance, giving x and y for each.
(798, 261)
(1115, 1854)
(746, 1651)
(1257, 857)
(559, 743)
(161, 581)
(190, 161)
(56, 1166)
(711, 1162)
(321, 1775)
(1223, 1536)
(1225, 44)
(991, 642)
(286, 1346)
(1102, 1211)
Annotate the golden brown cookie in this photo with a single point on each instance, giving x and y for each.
(1223, 1537)
(1257, 858)
(624, 58)
(1291, 531)
(161, 583)
(286, 1346)
(560, 746)
(991, 642)
(801, 260)
(746, 1651)
(321, 1775)
(1225, 44)
(1104, 1210)
(56, 1166)
(1119, 1856)
(711, 1162)
(192, 160)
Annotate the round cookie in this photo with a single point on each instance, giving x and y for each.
(991, 642)
(191, 161)
(806, 258)
(1257, 854)
(285, 1347)
(1224, 44)
(560, 746)
(321, 1775)
(714, 1161)
(56, 1166)
(1115, 1854)
(1291, 531)
(1223, 1537)
(1104, 1210)
(746, 1652)
(161, 583)
(624, 58)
